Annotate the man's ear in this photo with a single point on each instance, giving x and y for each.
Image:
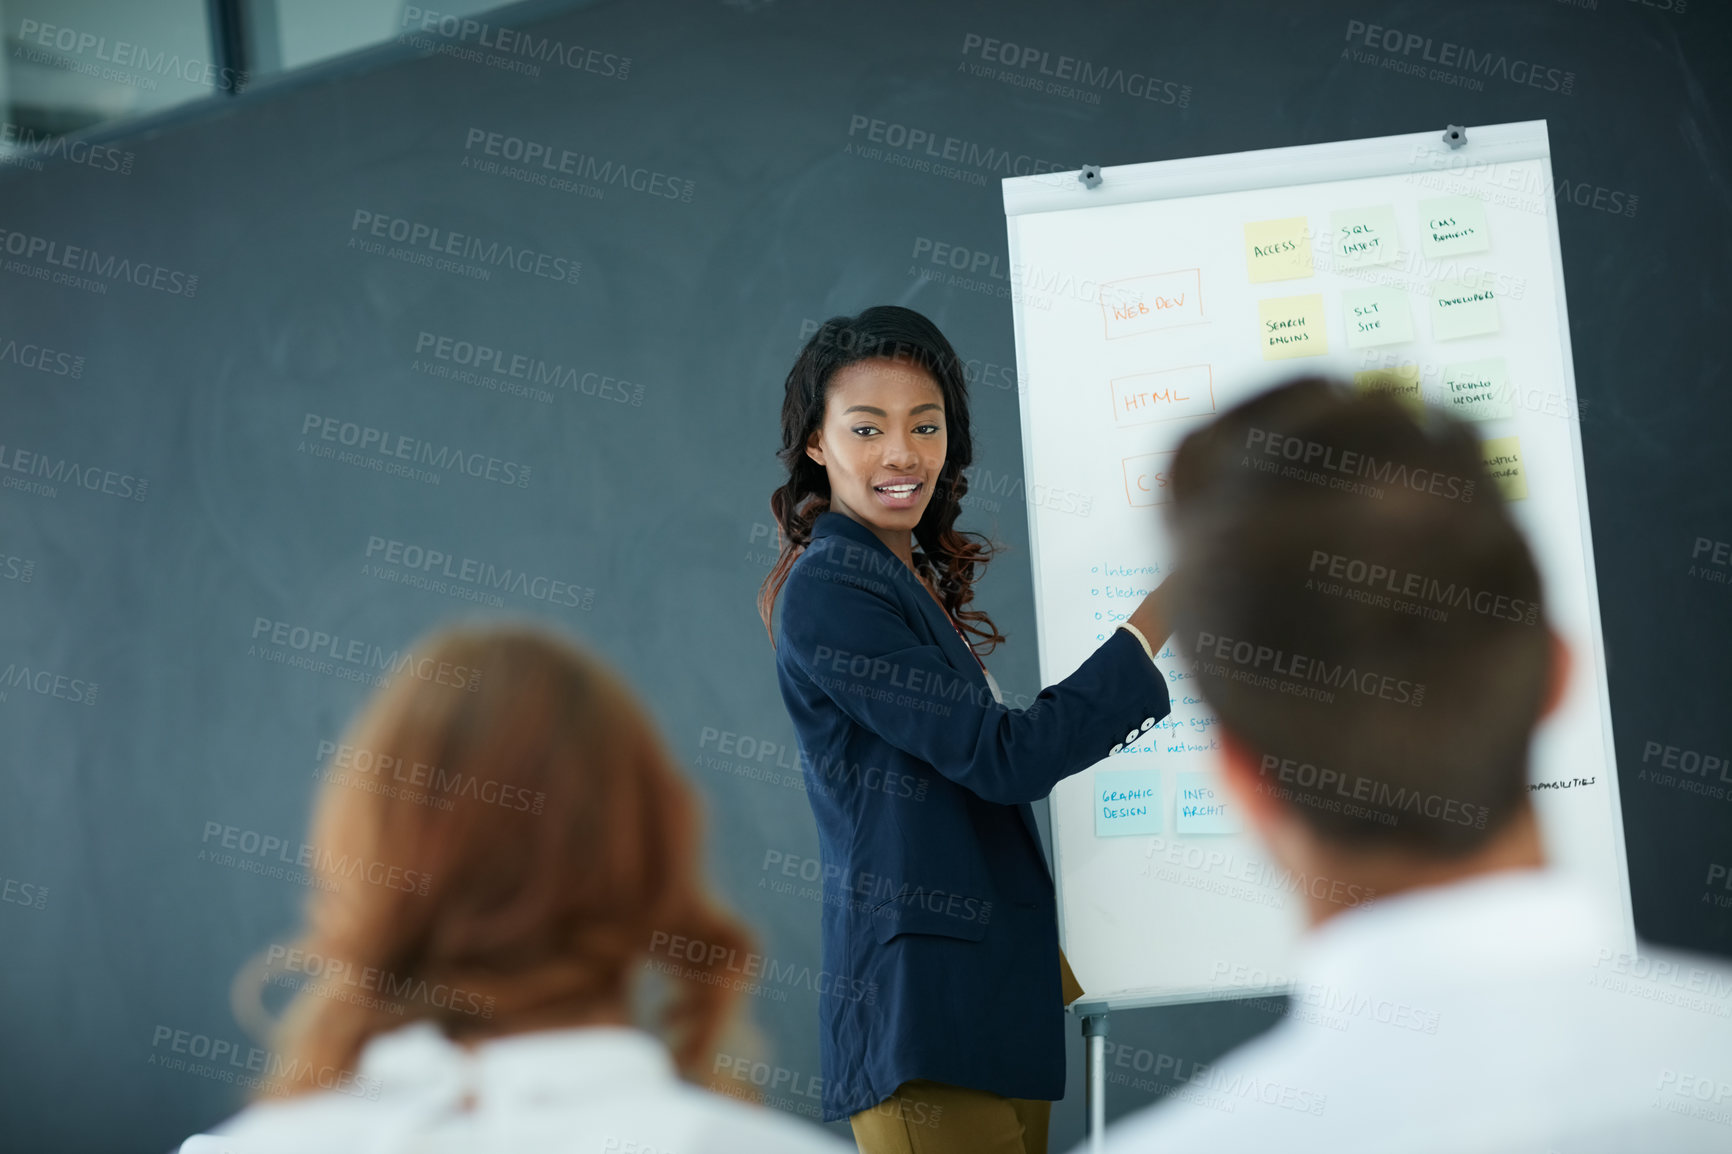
(1558, 673)
(815, 446)
(1281, 833)
(1241, 769)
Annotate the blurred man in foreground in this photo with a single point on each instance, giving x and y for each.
(1367, 624)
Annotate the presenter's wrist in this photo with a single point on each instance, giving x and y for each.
(1141, 640)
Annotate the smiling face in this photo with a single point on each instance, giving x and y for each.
(883, 443)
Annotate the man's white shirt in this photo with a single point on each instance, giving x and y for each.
(1488, 1015)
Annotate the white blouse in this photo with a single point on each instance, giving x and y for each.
(582, 1090)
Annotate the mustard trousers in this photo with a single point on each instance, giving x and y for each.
(926, 1117)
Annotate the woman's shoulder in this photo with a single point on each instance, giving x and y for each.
(827, 601)
(837, 563)
(326, 1120)
(676, 1118)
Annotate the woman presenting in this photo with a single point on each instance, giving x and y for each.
(943, 1028)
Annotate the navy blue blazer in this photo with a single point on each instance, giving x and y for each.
(940, 930)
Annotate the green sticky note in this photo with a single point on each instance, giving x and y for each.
(1462, 310)
(1364, 236)
(1478, 390)
(1376, 316)
(1452, 225)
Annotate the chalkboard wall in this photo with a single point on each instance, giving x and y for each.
(273, 285)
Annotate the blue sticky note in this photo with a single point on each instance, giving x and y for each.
(1203, 806)
(1127, 802)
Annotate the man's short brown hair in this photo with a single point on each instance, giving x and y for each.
(1360, 610)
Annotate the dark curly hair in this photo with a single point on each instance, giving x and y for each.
(948, 556)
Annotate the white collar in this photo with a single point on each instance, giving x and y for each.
(537, 1066)
(1490, 926)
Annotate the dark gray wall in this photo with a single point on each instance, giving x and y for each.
(114, 928)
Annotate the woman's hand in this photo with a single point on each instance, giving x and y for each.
(1153, 618)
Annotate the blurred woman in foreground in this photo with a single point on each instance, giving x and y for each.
(500, 843)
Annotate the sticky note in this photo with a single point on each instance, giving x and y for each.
(1503, 459)
(1376, 316)
(1292, 327)
(1462, 310)
(1478, 390)
(1451, 225)
(1163, 395)
(1160, 300)
(1127, 802)
(1399, 381)
(1364, 236)
(1278, 249)
(1202, 806)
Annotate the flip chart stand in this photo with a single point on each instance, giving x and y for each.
(1094, 1028)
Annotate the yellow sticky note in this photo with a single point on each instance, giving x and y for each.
(1462, 310)
(1399, 381)
(1292, 327)
(1503, 459)
(1278, 249)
